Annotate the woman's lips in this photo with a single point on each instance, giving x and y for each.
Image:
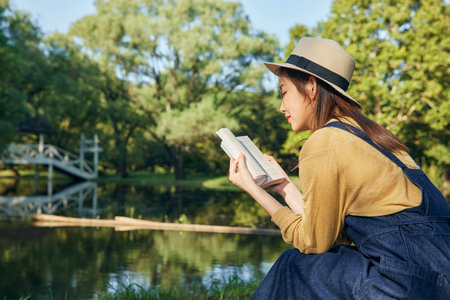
(288, 117)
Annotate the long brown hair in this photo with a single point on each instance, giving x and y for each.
(331, 105)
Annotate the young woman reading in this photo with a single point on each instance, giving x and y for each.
(368, 223)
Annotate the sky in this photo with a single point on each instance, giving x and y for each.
(272, 16)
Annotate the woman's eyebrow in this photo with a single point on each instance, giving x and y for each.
(280, 86)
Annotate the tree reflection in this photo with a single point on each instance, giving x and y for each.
(165, 203)
(79, 261)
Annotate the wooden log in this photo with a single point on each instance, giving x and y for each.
(145, 224)
(83, 222)
(125, 224)
(69, 224)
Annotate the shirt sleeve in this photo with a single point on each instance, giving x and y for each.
(319, 228)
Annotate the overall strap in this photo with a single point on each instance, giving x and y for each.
(359, 133)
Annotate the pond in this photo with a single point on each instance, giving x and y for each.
(77, 262)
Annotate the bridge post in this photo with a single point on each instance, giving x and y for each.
(96, 150)
(81, 151)
(50, 175)
(94, 202)
(50, 179)
(36, 178)
(41, 145)
(36, 167)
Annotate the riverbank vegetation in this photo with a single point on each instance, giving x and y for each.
(134, 178)
(234, 288)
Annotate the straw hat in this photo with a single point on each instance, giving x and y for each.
(324, 59)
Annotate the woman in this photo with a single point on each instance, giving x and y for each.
(368, 223)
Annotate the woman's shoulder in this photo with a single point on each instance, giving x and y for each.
(346, 146)
(326, 140)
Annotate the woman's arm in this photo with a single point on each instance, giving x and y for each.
(241, 177)
(287, 189)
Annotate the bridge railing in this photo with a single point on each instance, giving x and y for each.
(73, 196)
(47, 154)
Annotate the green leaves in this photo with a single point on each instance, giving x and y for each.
(401, 76)
(181, 61)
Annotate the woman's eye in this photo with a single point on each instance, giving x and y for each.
(282, 94)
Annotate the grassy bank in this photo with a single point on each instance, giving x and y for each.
(139, 178)
(191, 180)
(233, 288)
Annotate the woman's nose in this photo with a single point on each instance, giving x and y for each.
(282, 108)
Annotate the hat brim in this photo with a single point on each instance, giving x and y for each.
(275, 67)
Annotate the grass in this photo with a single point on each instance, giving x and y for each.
(192, 180)
(142, 178)
(234, 288)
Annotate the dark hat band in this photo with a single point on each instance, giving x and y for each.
(318, 70)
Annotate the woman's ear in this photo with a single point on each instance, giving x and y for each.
(311, 87)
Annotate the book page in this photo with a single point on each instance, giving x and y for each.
(225, 148)
(232, 146)
(270, 169)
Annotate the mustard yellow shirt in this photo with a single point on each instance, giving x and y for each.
(340, 175)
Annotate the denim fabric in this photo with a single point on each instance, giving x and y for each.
(405, 255)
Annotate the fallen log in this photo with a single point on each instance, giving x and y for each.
(69, 221)
(125, 224)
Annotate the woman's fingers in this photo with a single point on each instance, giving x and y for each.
(276, 164)
(233, 166)
(241, 161)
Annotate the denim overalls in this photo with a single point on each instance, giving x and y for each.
(405, 255)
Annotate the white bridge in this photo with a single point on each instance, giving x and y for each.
(73, 196)
(53, 156)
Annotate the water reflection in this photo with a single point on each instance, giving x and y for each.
(52, 203)
(77, 263)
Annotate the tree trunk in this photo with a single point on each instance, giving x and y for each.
(178, 164)
(122, 159)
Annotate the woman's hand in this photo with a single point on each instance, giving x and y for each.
(239, 174)
(279, 188)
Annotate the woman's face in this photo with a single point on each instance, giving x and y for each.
(297, 109)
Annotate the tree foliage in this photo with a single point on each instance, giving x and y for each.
(49, 78)
(181, 59)
(402, 56)
(18, 45)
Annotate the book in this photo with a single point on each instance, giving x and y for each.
(263, 172)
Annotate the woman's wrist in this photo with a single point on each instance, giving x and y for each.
(287, 187)
(270, 204)
(293, 198)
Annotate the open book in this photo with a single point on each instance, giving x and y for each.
(263, 172)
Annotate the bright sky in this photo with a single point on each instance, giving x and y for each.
(272, 16)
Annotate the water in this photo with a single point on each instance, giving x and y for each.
(77, 263)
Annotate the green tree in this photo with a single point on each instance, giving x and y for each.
(122, 118)
(19, 40)
(182, 61)
(401, 50)
(43, 77)
(69, 91)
